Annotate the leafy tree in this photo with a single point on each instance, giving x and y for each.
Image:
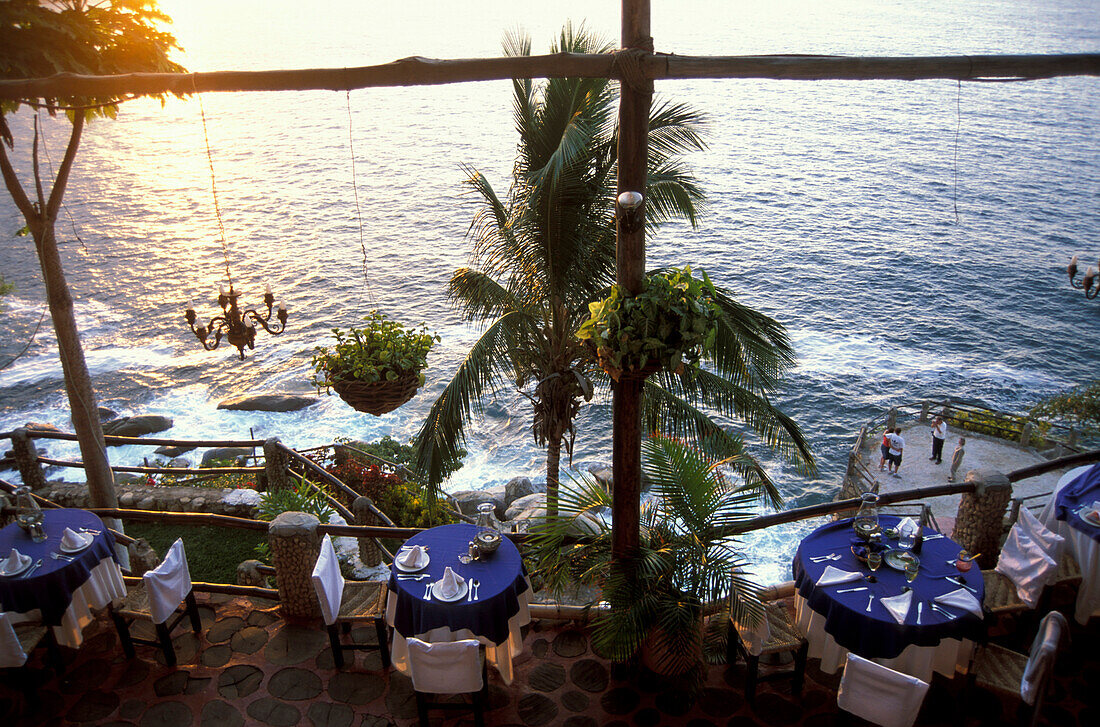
(1079, 405)
(547, 249)
(41, 38)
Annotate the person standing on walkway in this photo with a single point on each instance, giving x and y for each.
(957, 458)
(939, 435)
(884, 449)
(897, 446)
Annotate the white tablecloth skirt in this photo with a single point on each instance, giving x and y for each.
(949, 657)
(103, 586)
(1084, 550)
(499, 655)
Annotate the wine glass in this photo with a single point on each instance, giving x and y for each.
(874, 560)
(911, 567)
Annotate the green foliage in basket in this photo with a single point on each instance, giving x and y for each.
(382, 350)
(671, 323)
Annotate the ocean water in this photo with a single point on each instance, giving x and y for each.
(912, 236)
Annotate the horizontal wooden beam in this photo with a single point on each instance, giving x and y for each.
(418, 71)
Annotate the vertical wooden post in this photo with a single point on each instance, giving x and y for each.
(634, 103)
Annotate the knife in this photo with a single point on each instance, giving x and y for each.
(960, 583)
(920, 611)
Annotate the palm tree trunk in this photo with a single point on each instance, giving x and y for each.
(553, 468)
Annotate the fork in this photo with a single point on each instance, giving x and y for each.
(428, 590)
(941, 610)
(59, 556)
(419, 577)
(33, 568)
(822, 558)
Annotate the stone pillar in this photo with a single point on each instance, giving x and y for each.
(26, 459)
(363, 509)
(892, 418)
(248, 574)
(1025, 434)
(295, 544)
(276, 463)
(980, 519)
(924, 408)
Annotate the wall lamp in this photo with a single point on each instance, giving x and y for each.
(629, 211)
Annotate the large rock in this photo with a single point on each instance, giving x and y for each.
(41, 426)
(137, 426)
(584, 524)
(232, 454)
(537, 499)
(268, 402)
(603, 474)
(516, 488)
(172, 451)
(468, 500)
(105, 414)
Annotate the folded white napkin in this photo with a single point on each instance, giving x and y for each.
(907, 526)
(898, 605)
(961, 598)
(413, 557)
(15, 561)
(450, 583)
(73, 540)
(832, 576)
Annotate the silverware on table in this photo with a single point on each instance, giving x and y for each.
(941, 610)
(960, 583)
(920, 611)
(428, 590)
(418, 577)
(852, 590)
(33, 568)
(934, 536)
(89, 531)
(476, 585)
(59, 556)
(870, 600)
(823, 558)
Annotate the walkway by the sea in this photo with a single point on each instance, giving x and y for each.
(248, 667)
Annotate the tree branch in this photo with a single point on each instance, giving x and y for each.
(62, 180)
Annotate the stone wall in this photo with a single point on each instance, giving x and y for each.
(133, 496)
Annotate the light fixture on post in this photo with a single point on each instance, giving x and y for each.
(1089, 282)
(629, 211)
(237, 326)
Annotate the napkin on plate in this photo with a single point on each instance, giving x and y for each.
(1091, 511)
(450, 584)
(898, 605)
(413, 557)
(907, 526)
(832, 576)
(15, 561)
(961, 598)
(72, 540)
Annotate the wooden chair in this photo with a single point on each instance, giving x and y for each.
(16, 644)
(346, 602)
(781, 636)
(879, 694)
(1004, 671)
(158, 598)
(451, 667)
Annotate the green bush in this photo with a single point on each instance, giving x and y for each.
(213, 552)
(1004, 426)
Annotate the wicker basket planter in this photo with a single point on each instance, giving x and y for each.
(379, 397)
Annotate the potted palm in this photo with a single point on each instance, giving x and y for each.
(669, 325)
(374, 368)
(688, 564)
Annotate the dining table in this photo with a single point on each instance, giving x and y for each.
(1065, 514)
(493, 612)
(62, 587)
(851, 616)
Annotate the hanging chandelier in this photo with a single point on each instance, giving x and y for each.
(235, 325)
(1089, 282)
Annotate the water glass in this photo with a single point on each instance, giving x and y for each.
(911, 567)
(874, 559)
(906, 540)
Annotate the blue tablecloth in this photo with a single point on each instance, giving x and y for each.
(50, 587)
(502, 579)
(1083, 490)
(877, 634)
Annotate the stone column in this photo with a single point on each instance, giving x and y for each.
(363, 509)
(980, 520)
(295, 544)
(26, 459)
(924, 409)
(276, 463)
(892, 418)
(1025, 434)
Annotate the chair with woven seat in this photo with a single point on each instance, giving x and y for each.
(158, 598)
(776, 634)
(1001, 597)
(1010, 673)
(879, 694)
(346, 602)
(17, 641)
(449, 667)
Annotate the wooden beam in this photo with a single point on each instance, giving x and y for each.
(417, 71)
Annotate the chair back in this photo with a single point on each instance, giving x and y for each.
(328, 582)
(11, 651)
(1040, 663)
(168, 584)
(445, 667)
(1025, 563)
(879, 694)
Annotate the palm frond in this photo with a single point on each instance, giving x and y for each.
(479, 297)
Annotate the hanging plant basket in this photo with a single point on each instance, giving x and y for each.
(375, 368)
(379, 397)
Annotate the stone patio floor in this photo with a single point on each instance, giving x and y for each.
(250, 668)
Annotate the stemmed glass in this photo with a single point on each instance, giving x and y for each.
(874, 560)
(911, 567)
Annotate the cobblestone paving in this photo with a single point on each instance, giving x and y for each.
(250, 668)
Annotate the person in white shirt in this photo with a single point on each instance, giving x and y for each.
(897, 446)
(939, 436)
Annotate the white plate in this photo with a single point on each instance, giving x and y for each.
(894, 559)
(5, 572)
(1085, 516)
(406, 569)
(462, 591)
(77, 549)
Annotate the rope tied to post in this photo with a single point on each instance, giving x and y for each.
(627, 65)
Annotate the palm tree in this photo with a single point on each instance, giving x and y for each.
(548, 249)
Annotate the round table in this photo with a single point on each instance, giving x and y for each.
(1079, 486)
(836, 623)
(62, 593)
(494, 619)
